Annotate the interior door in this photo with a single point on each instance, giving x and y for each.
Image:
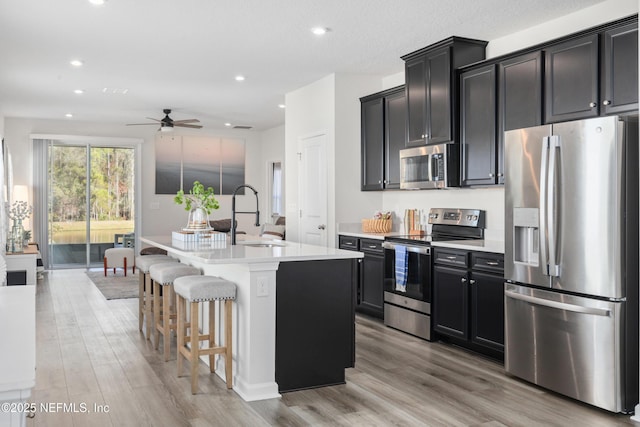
(313, 190)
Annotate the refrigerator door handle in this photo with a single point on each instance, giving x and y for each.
(559, 305)
(554, 147)
(544, 160)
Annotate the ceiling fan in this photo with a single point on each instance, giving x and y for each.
(167, 123)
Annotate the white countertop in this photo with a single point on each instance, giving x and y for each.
(493, 246)
(225, 253)
(18, 332)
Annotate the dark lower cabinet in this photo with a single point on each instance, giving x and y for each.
(487, 319)
(450, 302)
(369, 298)
(468, 300)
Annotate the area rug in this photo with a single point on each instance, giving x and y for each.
(115, 286)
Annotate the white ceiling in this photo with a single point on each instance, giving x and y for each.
(184, 54)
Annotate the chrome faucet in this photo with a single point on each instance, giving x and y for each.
(233, 211)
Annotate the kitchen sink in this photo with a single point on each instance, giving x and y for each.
(262, 244)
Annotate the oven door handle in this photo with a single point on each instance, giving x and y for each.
(424, 250)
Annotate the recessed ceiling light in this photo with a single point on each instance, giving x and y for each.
(78, 91)
(97, 2)
(69, 115)
(281, 106)
(227, 124)
(239, 78)
(319, 31)
(76, 63)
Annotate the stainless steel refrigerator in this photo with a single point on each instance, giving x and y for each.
(571, 259)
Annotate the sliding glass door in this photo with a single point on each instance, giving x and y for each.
(91, 203)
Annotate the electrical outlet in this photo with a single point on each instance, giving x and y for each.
(263, 287)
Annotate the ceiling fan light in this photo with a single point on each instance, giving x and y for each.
(165, 128)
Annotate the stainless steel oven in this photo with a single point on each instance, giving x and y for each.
(410, 309)
(431, 166)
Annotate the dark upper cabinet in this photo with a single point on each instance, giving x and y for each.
(395, 135)
(620, 70)
(519, 99)
(478, 139)
(432, 90)
(372, 135)
(416, 83)
(592, 75)
(571, 80)
(520, 91)
(383, 135)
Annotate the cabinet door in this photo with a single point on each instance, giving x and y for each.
(450, 302)
(439, 97)
(416, 88)
(478, 126)
(487, 310)
(571, 80)
(620, 70)
(371, 285)
(519, 98)
(372, 122)
(395, 136)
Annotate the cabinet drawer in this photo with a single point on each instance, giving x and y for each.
(371, 246)
(451, 257)
(348, 242)
(487, 262)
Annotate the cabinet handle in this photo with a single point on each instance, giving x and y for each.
(463, 280)
(471, 282)
(379, 182)
(606, 102)
(451, 257)
(491, 175)
(492, 263)
(500, 174)
(372, 246)
(592, 104)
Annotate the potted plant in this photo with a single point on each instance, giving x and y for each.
(200, 202)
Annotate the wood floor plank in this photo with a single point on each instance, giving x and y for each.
(89, 350)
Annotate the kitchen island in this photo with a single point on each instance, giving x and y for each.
(293, 318)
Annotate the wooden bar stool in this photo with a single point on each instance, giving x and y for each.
(163, 275)
(196, 289)
(145, 290)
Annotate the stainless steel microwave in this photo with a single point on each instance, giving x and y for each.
(431, 166)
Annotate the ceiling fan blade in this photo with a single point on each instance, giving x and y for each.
(141, 124)
(151, 118)
(187, 126)
(186, 121)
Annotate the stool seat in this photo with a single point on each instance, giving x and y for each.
(163, 274)
(143, 262)
(145, 289)
(166, 273)
(119, 257)
(204, 288)
(196, 290)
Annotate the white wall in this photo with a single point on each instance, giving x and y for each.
(330, 106)
(153, 222)
(592, 16)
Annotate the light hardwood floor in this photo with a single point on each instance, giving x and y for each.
(89, 351)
